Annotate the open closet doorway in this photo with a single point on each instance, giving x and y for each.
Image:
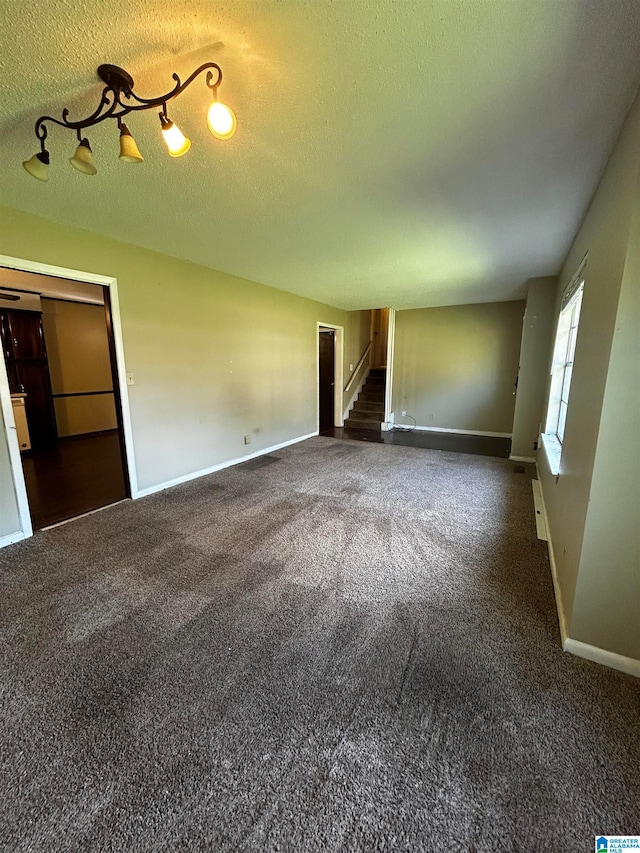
(59, 353)
(326, 361)
(330, 358)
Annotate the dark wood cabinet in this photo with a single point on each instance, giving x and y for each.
(28, 371)
(26, 335)
(7, 349)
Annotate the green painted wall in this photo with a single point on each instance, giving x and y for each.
(455, 367)
(214, 357)
(605, 235)
(606, 605)
(533, 374)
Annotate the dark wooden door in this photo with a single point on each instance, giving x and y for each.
(28, 371)
(326, 359)
(33, 380)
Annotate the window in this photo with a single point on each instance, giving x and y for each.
(562, 368)
(563, 365)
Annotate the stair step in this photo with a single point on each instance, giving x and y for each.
(373, 396)
(375, 380)
(364, 415)
(367, 416)
(353, 423)
(369, 406)
(378, 371)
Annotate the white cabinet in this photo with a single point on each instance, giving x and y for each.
(20, 417)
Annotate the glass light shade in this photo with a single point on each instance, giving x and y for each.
(129, 152)
(38, 166)
(82, 160)
(221, 120)
(177, 142)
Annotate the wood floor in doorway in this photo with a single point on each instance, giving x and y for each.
(73, 476)
(480, 445)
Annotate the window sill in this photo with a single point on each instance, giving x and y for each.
(553, 452)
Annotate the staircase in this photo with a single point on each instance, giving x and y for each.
(368, 410)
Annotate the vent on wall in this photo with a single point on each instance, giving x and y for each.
(18, 300)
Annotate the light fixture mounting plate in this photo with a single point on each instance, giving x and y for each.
(115, 77)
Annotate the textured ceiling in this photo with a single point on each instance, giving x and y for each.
(387, 153)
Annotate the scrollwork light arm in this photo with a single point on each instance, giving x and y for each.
(119, 85)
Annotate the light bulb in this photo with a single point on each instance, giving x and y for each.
(177, 142)
(221, 120)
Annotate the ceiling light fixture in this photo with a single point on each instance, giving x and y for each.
(118, 100)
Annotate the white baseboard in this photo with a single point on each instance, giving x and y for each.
(160, 487)
(457, 431)
(594, 653)
(541, 515)
(529, 459)
(562, 621)
(577, 647)
(12, 538)
(389, 424)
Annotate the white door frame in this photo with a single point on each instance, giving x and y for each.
(5, 395)
(19, 487)
(338, 360)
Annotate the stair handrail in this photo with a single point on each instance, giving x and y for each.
(358, 366)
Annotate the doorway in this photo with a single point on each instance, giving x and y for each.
(326, 371)
(60, 358)
(330, 376)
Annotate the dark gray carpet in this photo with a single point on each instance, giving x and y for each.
(353, 649)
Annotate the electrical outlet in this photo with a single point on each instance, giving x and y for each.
(247, 439)
(404, 414)
(431, 416)
(130, 379)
